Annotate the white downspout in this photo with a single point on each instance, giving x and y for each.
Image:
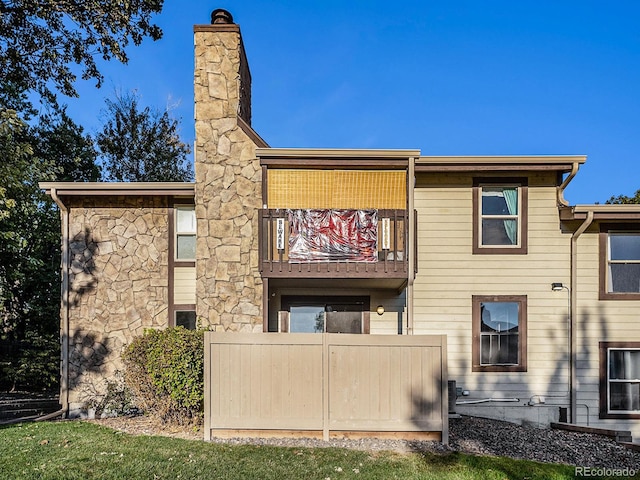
(64, 314)
(411, 244)
(574, 308)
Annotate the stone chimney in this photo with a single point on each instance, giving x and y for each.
(228, 191)
(230, 83)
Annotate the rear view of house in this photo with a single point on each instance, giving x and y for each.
(538, 300)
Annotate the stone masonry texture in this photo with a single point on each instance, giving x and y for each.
(118, 277)
(228, 187)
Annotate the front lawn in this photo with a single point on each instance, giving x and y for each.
(80, 450)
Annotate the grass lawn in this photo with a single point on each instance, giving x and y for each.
(74, 449)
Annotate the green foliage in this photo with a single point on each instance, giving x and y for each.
(81, 450)
(16, 154)
(54, 149)
(29, 238)
(44, 46)
(35, 366)
(165, 370)
(623, 199)
(58, 139)
(44, 43)
(141, 145)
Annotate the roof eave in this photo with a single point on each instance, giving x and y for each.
(119, 188)
(617, 213)
(561, 163)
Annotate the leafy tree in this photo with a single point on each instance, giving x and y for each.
(17, 154)
(29, 246)
(621, 199)
(55, 149)
(140, 144)
(45, 45)
(64, 144)
(40, 41)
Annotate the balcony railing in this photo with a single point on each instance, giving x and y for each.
(391, 261)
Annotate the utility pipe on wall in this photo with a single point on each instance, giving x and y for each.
(411, 180)
(64, 316)
(573, 291)
(574, 308)
(486, 400)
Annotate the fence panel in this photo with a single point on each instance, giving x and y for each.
(325, 384)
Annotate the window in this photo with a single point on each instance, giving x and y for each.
(185, 225)
(499, 333)
(186, 319)
(500, 216)
(620, 264)
(326, 314)
(619, 379)
(624, 263)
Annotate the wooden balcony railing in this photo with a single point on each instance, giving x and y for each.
(391, 261)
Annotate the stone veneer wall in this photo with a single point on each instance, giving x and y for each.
(228, 185)
(118, 284)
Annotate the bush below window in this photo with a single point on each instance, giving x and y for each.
(165, 370)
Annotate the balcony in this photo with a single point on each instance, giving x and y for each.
(389, 261)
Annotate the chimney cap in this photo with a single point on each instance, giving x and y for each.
(221, 16)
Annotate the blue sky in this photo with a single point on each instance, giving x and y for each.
(487, 77)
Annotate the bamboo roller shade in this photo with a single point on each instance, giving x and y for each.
(346, 189)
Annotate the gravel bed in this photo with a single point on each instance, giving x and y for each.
(481, 436)
(477, 436)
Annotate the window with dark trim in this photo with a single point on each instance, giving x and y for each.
(619, 379)
(500, 216)
(185, 231)
(619, 262)
(499, 324)
(182, 235)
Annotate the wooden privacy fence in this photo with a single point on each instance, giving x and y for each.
(329, 385)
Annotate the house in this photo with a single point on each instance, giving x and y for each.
(539, 299)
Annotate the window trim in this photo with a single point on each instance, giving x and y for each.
(522, 333)
(604, 348)
(603, 253)
(523, 196)
(173, 263)
(181, 261)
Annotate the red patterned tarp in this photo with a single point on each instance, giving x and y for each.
(333, 235)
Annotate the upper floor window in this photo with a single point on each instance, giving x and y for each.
(185, 231)
(499, 333)
(619, 264)
(500, 220)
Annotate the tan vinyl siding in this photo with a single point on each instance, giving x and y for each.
(184, 289)
(394, 311)
(449, 274)
(599, 320)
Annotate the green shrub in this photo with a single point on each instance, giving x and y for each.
(165, 370)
